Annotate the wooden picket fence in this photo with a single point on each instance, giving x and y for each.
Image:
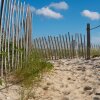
(15, 34)
(62, 46)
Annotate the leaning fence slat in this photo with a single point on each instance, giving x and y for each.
(8, 44)
(56, 47)
(45, 54)
(64, 45)
(35, 46)
(78, 46)
(84, 48)
(8, 33)
(53, 48)
(73, 47)
(21, 36)
(70, 53)
(24, 28)
(13, 32)
(27, 27)
(66, 39)
(41, 47)
(4, 42)
(47, 47)
(16, 36)
(19, 13)
(5, 37)
(55, 52)
(61, 46)
(50, 47)
(1, 38)
(59, 49)
(81, 45)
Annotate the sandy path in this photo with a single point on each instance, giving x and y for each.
(75, 79)
(72, 80)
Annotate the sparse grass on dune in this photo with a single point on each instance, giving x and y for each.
(32, 69)
(95, 53)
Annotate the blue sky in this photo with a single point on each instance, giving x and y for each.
(54, 17)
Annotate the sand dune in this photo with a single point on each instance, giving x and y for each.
(73, 79)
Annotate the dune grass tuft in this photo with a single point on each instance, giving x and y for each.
(32, 69)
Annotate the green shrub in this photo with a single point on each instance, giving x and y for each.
(32, 69)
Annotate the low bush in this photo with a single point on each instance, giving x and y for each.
(32, 69)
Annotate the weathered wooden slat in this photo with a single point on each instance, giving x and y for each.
(2, 15)
(84, 47)
(70, 50)
(4, 43)
(50, 47)
(35, 46)
(45, 53)
(61, 45)
(53, 48)
(8, 33)
(73, 46)
(76, 46)
(81, 45)
(13, 39)
(58, 48)
(22, 36)
(67, 55)
(41, 47)
(1, 10)
(64, 45)
(79, 53)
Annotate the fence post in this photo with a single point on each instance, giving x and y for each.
(88, 41)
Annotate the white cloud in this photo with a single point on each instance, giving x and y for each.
(91, 15)
(61, 5)
(47, 12)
